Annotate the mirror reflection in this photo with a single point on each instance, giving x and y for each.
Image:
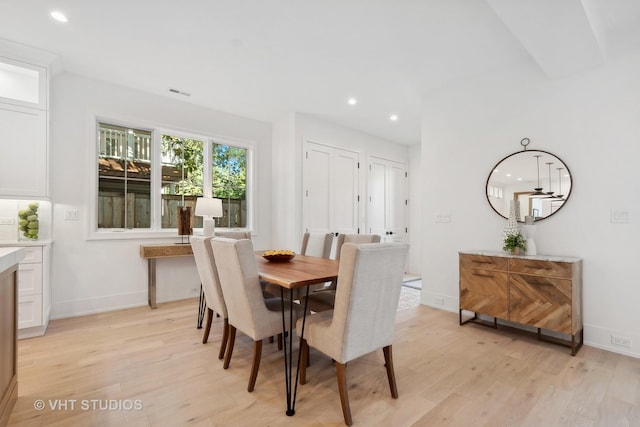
(538, 179)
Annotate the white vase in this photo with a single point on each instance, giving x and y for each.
(530, 232)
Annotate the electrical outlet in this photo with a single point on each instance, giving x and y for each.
(622, 341)
(439, 300)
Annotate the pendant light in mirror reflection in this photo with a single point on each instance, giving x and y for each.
(517, 177)
(538, 190)
(549, 193)
(560, 196)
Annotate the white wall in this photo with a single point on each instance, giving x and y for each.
(592, 122)
(287, 154)
(99, 275)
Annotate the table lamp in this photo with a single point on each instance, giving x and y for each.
(208, 208)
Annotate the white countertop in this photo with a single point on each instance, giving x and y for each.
(553, 258)
(25, 243)
(9, 257)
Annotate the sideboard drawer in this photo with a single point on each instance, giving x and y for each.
(483, 262)
(541, 268)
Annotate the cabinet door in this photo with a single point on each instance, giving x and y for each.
(387, 207)
(29, 279)
(29, 311)
(484, 292)
(23, 163)
(543, 302)
(23, 84)
(330, 181)
(316, 212)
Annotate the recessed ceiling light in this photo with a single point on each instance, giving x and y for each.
(59, 16)
(508, 174)
(393, 117)
(352, 101)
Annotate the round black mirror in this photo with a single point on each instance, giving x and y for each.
(539, 180)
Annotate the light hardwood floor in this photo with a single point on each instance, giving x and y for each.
(448, 375)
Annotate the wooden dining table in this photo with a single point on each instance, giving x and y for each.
(298, 273)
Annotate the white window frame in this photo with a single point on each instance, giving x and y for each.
(155, 232)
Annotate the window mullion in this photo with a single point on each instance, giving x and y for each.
(156, 180)
(207, 168)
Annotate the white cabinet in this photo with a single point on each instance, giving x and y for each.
(387, 199)
(24, 122)
(23, 83)
(34, 305)
(23, 165)
(331, 189)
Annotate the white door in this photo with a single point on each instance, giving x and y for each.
(330, 186)
(387, 201)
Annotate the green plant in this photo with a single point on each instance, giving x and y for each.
(513, 241)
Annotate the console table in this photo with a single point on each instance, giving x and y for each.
(153, 252)
(540, 291)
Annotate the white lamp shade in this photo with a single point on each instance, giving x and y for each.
(208, 206)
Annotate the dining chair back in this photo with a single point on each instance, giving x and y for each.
(321, 299)
(317, 244)
(233, 234)
(354, 238)
(206, 265)
(369, 285)
(247, 308)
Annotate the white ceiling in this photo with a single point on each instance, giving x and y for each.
(265, 58)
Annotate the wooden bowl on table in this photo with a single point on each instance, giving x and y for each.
(278, 255)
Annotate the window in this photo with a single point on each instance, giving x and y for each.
(124, 177)
(145, 175)
(229, 166)
(182, 178)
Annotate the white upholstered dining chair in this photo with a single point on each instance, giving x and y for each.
(233, 234)
(317, 244)
(369, 284)
(323, 298)
(206, 265)
(247, 308)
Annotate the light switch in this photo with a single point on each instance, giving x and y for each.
(71, 214)
(6, 220)
(443, 218)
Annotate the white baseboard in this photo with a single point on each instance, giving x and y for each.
(61, 310)
(598, 337)
(36, 331)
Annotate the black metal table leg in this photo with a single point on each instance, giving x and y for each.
(291, 383)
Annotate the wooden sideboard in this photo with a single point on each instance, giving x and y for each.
(544, 292)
